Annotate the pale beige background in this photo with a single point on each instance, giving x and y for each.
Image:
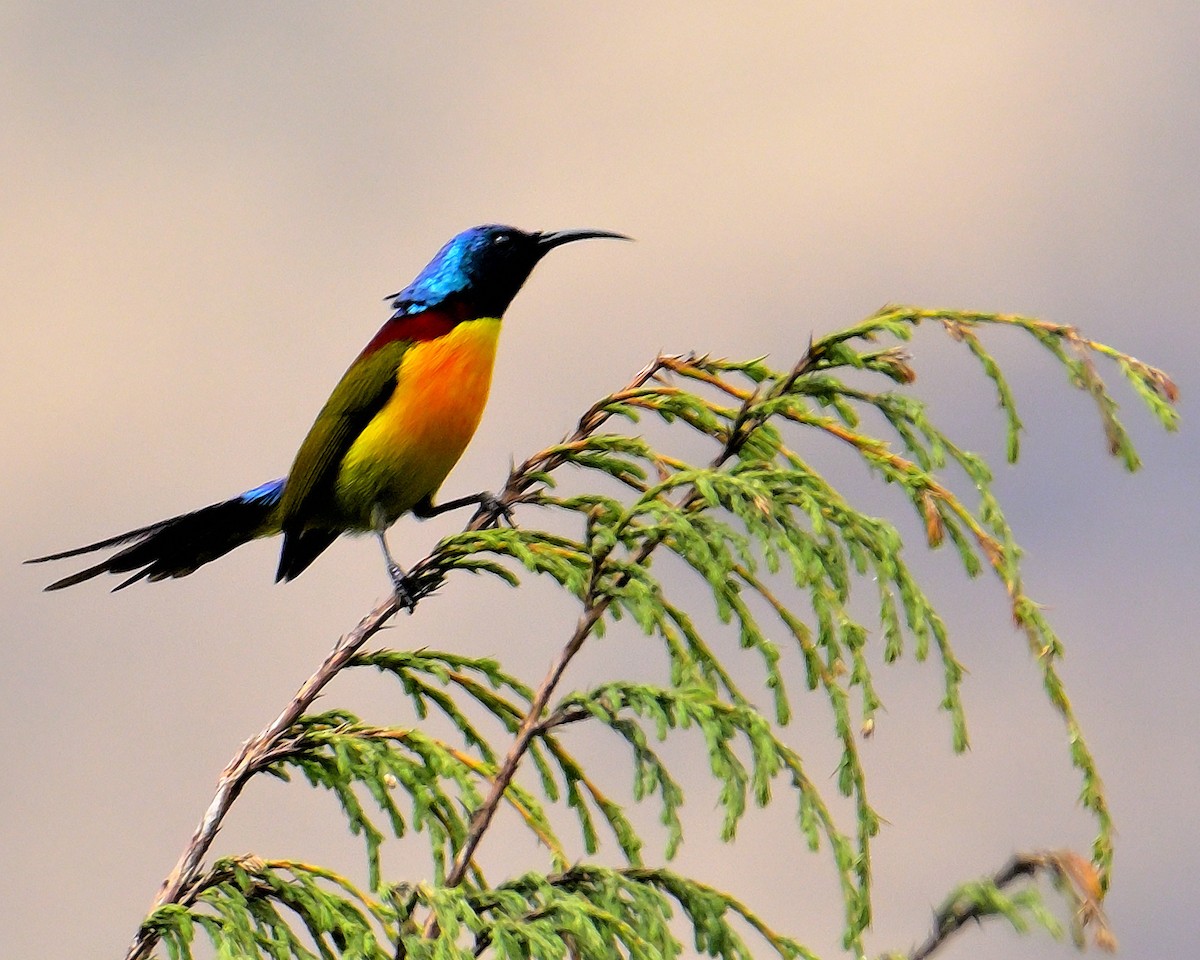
(203, 204)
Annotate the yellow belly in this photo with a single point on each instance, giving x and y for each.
(410, 446)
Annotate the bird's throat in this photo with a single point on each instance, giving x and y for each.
(432, 324)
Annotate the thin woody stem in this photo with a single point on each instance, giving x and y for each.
(249, 759)
(952, 918)
(1076, 878)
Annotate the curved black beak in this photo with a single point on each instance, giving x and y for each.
(548, 241)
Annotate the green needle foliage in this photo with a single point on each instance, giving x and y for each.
(780, 551)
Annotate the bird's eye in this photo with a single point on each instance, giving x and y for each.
(499, 239)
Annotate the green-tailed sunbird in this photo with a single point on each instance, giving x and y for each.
(391, 431)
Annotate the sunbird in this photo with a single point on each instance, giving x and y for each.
(393, 428)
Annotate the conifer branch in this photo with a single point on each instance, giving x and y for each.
(181, 884)
(755, 504)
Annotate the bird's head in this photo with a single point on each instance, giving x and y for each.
(484, 267)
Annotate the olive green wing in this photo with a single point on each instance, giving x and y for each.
(361, 393)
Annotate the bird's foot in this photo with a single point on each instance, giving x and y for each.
(490, 503)
(401, 584)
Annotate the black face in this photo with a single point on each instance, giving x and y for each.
(485, 267)
(497, 264)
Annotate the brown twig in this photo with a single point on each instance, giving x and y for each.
(1075, 876)
(250, 758)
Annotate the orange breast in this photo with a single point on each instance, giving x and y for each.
(410, 446)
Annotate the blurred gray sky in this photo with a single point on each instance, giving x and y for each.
(204, 204)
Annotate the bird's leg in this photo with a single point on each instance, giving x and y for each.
(485, 500)
(399, 578)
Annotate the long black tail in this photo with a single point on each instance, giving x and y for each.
(178, 546)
